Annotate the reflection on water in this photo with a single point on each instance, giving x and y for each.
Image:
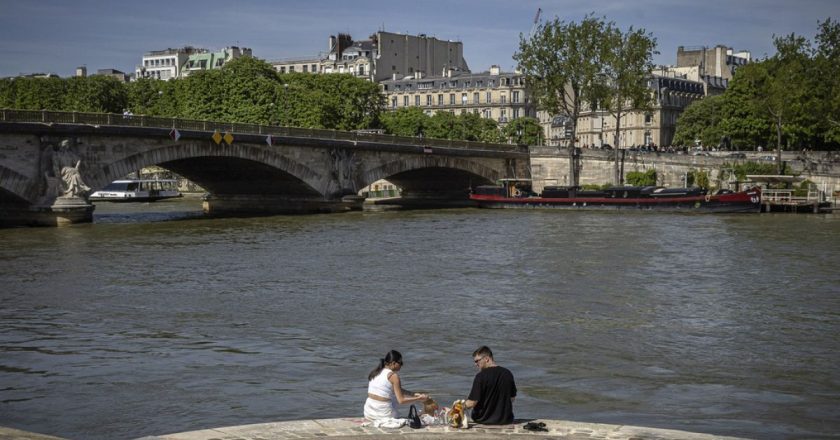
(138, 325)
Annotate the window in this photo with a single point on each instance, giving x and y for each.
(305, 68)
(489, 97)
(291, 69)
(440, 99)
(475, 98)
(394, 102)
(405, 101)
(648, 118)
(451, 99)
(503, 98)
(429, 100)
(515, 97)
(417, 100)
(361, 70)
(464, 98)
(515, 113)
(314, 68)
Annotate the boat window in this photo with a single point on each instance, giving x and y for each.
(131, 186)
(116, 186)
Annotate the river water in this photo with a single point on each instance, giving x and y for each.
(151, 321)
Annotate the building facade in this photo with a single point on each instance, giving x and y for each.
(671, 92)
(206, 60)
(384, 55)
(164, 64)
(494, 94)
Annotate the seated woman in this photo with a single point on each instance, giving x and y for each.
(385, 389)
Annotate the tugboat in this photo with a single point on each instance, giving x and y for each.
(142, 190)
(517, 193)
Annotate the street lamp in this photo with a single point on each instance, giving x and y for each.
(285, 103)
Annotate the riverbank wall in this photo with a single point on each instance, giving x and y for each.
(550, 166)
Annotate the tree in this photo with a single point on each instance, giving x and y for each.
(623, 83)
(642, 178)
(443, 125)
(561, 62)
(102, 94)
(38, 93)
(827, 77)
(523, 130)
(701, 120)
(780, 85)
(406, 121)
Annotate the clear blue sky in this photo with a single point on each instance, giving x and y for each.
(59, 35)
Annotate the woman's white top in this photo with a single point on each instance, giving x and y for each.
(381, 386)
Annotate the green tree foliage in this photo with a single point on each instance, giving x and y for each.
(412, 121)
(405, 121)
(523, 130)
(742, 170)
(698, 178)
(700, 121)
(34, 93)
(628, 64)
(827, 79)
(97, 94)
(561, 62)
(245, 90)
(741, 118)
(789, 101)
(640, 178)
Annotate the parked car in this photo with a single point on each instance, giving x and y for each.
(700, 153)
(737, 155)
(768, 157)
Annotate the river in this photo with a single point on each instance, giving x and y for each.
(151, 321)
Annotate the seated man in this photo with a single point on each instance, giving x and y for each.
(493, 391)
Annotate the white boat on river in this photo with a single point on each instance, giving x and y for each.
(142, 190)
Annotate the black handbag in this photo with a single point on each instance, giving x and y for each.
(413, 418)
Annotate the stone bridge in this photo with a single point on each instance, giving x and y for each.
(51, 161)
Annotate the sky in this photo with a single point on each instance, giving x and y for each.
(56, 36)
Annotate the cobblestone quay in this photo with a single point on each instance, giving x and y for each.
(357, 428)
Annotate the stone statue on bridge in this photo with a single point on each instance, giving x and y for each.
(66, 164)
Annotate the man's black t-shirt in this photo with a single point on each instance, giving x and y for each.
(492, 390)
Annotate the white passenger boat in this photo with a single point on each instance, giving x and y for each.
(137, 191)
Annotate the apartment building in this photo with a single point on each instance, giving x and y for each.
(165, 64)
(494, 94)
(384, 55)
(672, 93)
(300, 65)
(206, 60)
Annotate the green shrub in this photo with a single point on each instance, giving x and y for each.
(638, 178)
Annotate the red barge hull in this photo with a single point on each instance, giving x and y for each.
(739, 202)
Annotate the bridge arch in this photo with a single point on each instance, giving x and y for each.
(17, 188)
(414, 173)
(208, 165)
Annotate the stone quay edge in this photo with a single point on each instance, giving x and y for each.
(357, 428)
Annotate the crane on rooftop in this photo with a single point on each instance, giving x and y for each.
(536, 23)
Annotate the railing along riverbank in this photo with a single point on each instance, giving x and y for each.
(113, 119)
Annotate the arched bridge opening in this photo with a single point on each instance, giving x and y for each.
(234, 176)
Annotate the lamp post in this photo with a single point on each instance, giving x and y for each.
(285, 103)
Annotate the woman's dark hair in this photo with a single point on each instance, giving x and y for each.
(391, 356)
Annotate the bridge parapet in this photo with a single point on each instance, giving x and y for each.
(112, 119)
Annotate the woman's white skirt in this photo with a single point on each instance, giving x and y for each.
(378, 410)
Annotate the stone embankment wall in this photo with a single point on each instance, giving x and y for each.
(550, 166)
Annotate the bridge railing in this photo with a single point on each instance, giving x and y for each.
(111, 119)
